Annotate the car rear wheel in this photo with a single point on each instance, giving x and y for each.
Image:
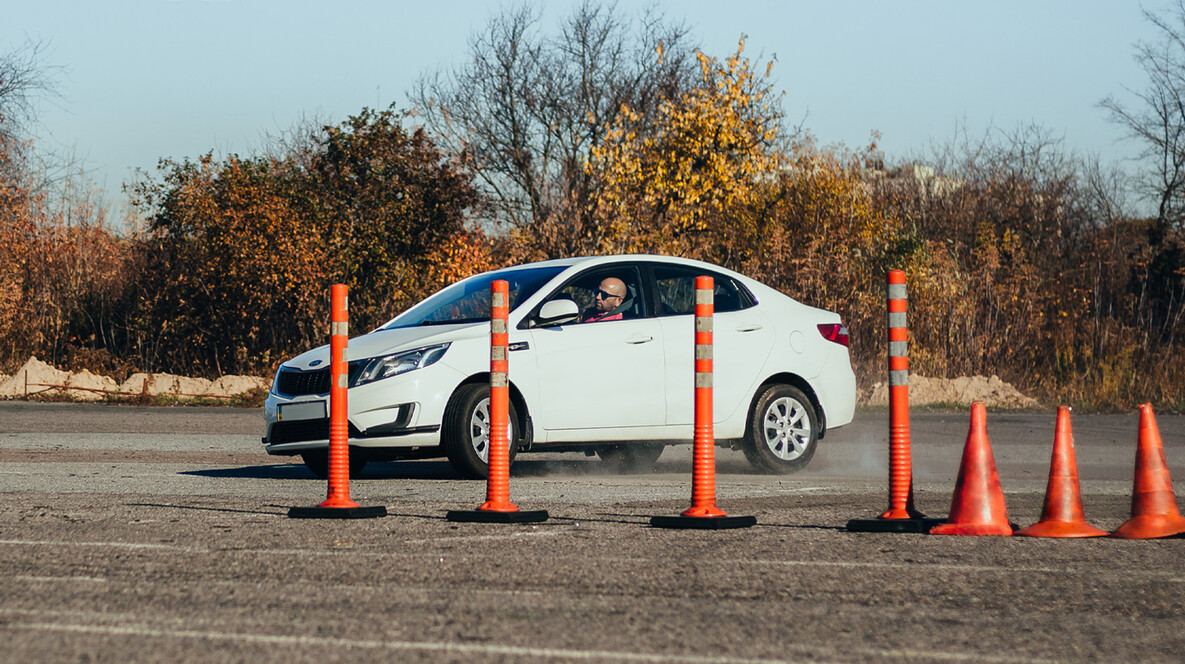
(783, 430)
(630, 458)
(466, 431)
(317, 461)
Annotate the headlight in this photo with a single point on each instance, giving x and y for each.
(378, 368)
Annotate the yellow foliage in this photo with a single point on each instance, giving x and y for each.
(707, 152)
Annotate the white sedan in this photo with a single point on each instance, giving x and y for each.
(621, 386)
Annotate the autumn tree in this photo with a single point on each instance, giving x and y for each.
(245, 249)
(528, 109)
(706, 152)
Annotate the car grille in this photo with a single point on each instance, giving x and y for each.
(298, 431)
(297, 383)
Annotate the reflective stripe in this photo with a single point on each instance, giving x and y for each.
(703, 351)
(898, 378)
(897, 292)
(498, 300)
(898, 348)
(703, 324)
(341, 381)
(703, 296)
(498, 326)
(498, 353)
(498, 379)
(897, 319)
(339, 329)
(703, 379)
(345, 302)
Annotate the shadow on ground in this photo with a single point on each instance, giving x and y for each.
(441, 470)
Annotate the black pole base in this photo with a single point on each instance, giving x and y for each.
(492, 516)
(703, 522)
(318, 512)
(920, 525)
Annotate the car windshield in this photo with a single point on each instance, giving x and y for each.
(468, 301)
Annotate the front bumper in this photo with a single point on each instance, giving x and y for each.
(398, 413)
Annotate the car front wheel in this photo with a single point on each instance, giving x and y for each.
(466, 431)
(783, 430)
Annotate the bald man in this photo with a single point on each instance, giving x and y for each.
(609, 296)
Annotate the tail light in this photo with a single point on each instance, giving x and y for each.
(835, 332)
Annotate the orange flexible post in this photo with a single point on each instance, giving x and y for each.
(337, 503)
(497, 508)
(900, 452)
(703, 477)
(703, 512)
(498, 482)
(901, 515)
(339, 411)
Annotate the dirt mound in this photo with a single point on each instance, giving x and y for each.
(991, 391)
(38, 378)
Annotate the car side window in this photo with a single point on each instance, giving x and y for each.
(620, 296)
(676, 291)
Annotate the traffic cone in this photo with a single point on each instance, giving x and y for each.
(1062, 515)
(1154, 507)
(977, 507)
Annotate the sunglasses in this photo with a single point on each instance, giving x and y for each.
(605, 295)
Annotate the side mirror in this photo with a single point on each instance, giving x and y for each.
(556, 312)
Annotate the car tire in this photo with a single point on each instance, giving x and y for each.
(783, 430)
(630, 457)
(465, 434)
(317, 461)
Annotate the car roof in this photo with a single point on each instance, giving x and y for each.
(592, 261)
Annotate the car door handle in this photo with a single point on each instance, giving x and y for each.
(639, 339)
(749, 327)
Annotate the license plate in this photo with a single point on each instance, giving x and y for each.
(304, 410)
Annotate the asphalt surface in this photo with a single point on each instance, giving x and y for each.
(161, 535)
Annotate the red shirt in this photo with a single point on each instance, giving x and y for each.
(592, 316)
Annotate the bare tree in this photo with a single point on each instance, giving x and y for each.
(1158, 122)
(1157, 119)
(24, 79)
(527, 109)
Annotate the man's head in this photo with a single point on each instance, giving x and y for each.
(610, 295)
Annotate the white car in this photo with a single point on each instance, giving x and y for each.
(621, 388)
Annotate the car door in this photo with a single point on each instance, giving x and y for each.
(603, 374)
(742, 337)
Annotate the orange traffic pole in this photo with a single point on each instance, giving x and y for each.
(497, 507)
(337, 503)
(703, 512)
(901, 515)
(900, 453)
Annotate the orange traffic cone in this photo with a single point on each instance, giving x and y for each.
(1062, 515)
(1154, 508)
(977, 507)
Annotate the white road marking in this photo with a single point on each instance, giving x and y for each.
(504, 650)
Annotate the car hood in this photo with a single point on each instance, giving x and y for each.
(384, 342)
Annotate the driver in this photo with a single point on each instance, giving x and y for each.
(608, 297)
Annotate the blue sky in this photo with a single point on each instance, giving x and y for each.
(147, 79)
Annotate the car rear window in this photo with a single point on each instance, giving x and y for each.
(676, 291)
